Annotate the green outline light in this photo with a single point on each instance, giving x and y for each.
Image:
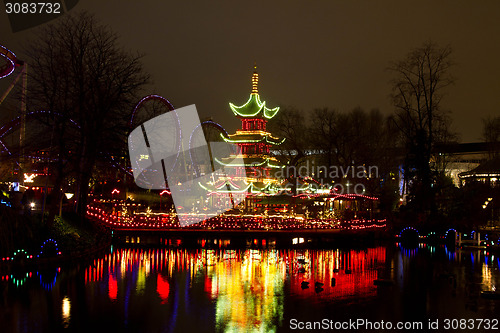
(261, 106)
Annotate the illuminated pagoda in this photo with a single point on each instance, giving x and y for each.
(255, 176)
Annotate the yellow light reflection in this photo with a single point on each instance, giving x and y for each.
(141, 280)
(488, 281)
(250, 292)
(66, 309)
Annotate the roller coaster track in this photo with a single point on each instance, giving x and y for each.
(11, 62)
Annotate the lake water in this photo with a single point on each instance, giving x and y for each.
(250, 290)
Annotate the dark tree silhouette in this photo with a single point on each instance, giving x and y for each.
(418, 88)
(79, 72)
(291, 125)
(491, 134)
(341, 140)
(355, 139)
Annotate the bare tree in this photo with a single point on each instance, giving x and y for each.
(79, 73)
(354, 139)
(491, 129)
(290, 124)
(491, 134)
(418, 88)
(333, 140)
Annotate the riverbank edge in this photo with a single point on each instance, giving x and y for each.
(98, 240)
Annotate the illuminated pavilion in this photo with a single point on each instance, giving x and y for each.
(255, 175)
(254, 143)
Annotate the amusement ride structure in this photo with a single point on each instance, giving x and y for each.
(253, 180)
(10, 63)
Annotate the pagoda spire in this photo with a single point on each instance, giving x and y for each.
(254, 107)
(255, 80)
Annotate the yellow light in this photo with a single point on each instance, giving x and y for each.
(255, 83)
(29, 178)
(66, 309)
(252, 132)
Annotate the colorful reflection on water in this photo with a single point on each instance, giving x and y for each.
(246, 286)
(248, 289)
(222, 290)
(343, 275)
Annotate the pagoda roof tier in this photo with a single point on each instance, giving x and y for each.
(251, 158)
(267, 162)
(254, 108)
(240, 186)
(252, 137)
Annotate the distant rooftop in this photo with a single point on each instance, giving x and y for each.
(471, 147)
(488, 169)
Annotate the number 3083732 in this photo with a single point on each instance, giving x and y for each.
(33, 8)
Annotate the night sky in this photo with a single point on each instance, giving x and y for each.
(309, 53)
